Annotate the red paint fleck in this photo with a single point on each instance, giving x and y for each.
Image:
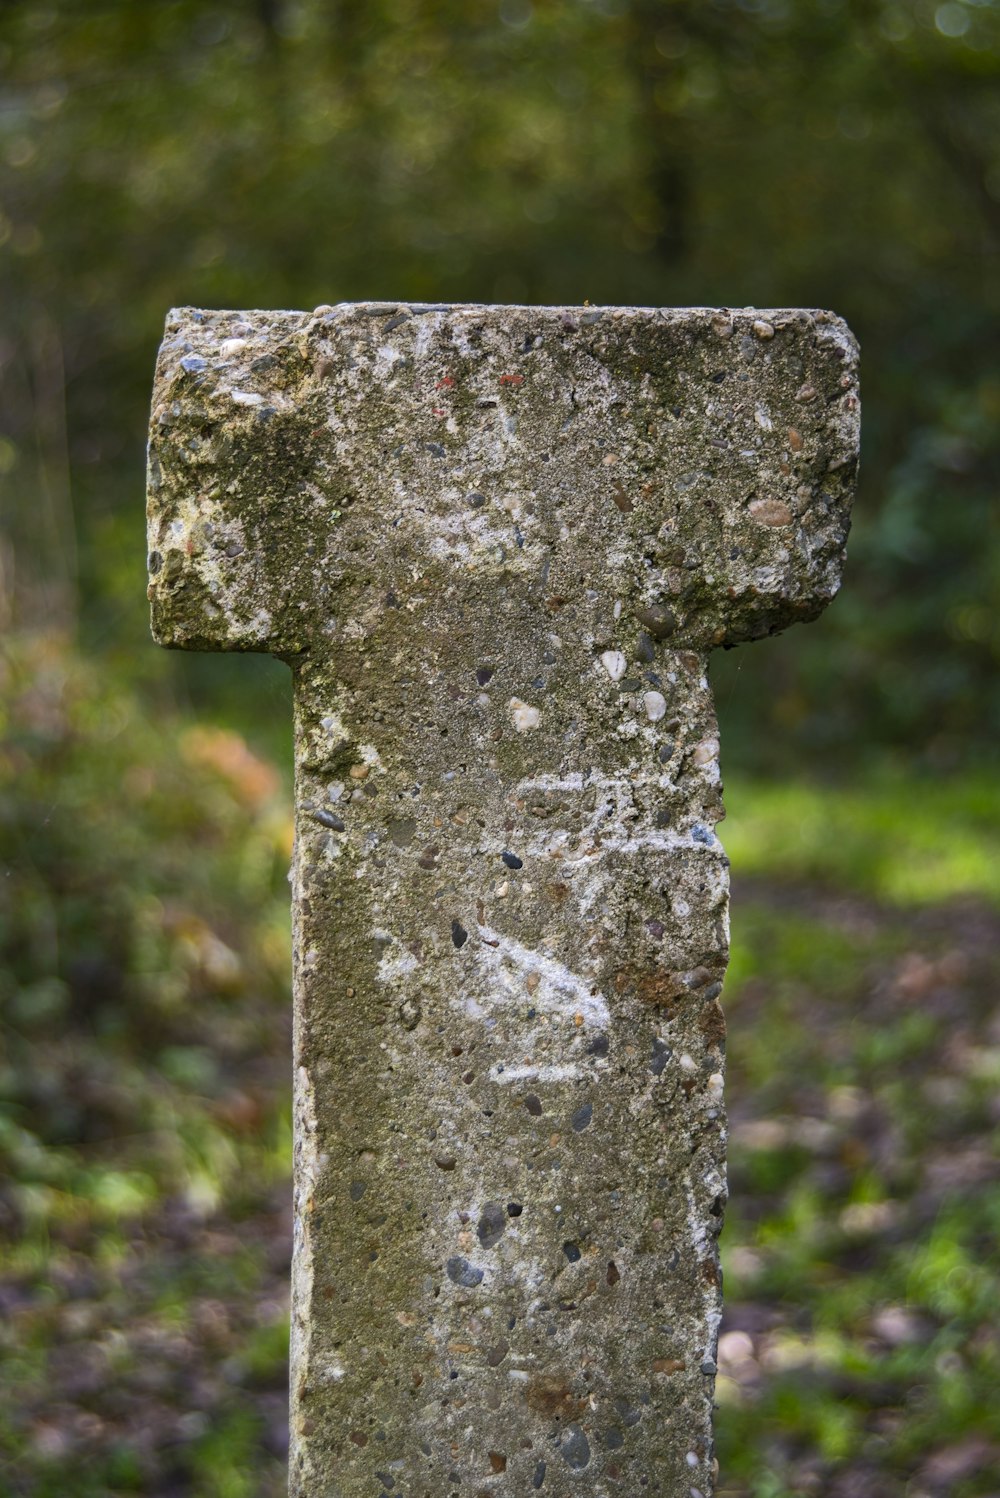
(437, 411)
(444, 384)
(512, 379)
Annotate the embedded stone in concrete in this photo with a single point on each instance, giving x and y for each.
(496, 546)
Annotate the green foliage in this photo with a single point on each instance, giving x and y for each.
(877, 837)
(859, 1351)
(145, 1031)
(839, 153)
(144, 1122)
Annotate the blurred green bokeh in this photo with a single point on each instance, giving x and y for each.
(835, 153)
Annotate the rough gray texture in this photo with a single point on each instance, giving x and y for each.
(496, 545)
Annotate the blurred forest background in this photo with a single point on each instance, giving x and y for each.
(269, 153)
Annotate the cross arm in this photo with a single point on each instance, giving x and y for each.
(307, 465)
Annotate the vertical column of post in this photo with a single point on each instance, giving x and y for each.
(510, 1171)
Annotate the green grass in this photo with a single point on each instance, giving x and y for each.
(860, 1350)
(145, 1127)
(904, 840)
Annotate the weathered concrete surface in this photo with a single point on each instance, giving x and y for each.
(496, 546)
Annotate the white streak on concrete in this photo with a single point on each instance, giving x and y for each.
(553, 1072)
(396, 965)
(561, 991)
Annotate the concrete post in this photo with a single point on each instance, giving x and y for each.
(496, 546)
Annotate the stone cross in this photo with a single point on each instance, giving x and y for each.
(496, 546)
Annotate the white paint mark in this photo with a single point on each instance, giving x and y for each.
(560, 990)
(572, 782)
(551, 1073)
(396, 965)
(369, 755)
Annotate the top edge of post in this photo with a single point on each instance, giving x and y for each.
(583, 310)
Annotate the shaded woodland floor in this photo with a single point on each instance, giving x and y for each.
(145, 1145)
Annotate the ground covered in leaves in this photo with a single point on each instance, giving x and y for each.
(144, 1118)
